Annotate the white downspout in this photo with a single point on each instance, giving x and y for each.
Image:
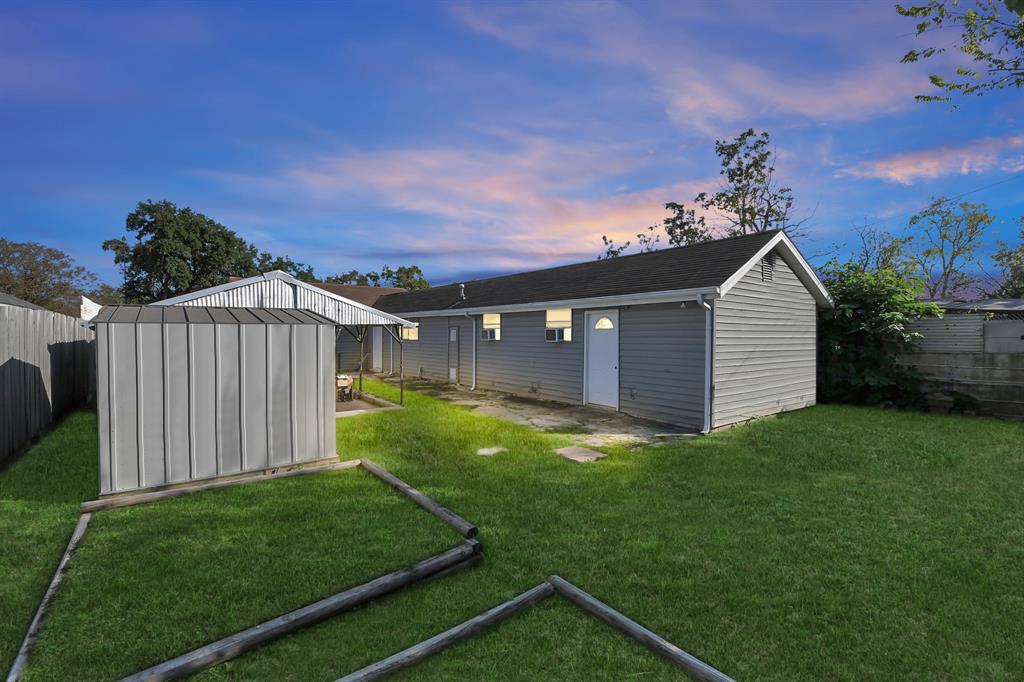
(473, 320)
(709, 336)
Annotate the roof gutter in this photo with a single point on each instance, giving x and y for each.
(668, 296)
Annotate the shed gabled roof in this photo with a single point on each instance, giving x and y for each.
(276, 289)
(154, 314)
(680, 273)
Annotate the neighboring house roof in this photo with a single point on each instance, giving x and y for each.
(7, 299)
(365, 294)
(276, 289)
(681, 273)
(144, 314)
(991, 305)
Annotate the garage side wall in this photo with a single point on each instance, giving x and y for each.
(428, 357)
(765, 347)
(661, 363)
(184, 402)
(523, 363)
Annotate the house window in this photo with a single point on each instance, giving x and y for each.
(768, 267)
(492, 327)
(558, 324)
(604, 323)
(410, 333)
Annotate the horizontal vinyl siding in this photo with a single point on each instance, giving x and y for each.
(347, 351)
(765, 347)
(466, 341)
(428, 357)
(522, 362)
(661, 363)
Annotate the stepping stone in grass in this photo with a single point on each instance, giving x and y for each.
(575, 453)
(490, 452)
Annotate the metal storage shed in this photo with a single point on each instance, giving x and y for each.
(276, 289)
(190, 393)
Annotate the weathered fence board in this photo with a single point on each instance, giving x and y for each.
(45, 370)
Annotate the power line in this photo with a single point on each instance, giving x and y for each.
(1014, 176)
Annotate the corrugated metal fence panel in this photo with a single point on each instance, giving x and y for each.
(1004, 336)
(950, 334)
(46, 369)
(181, 402)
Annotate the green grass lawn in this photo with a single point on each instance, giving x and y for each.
(833, 542)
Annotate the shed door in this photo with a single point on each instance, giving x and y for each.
(453, 355)
(602, 358)
(377, 360)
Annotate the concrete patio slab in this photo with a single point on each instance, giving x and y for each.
(575, 453)
(586, 426)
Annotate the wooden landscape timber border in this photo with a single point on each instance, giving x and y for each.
(251, 638)
(466, 555)
(21, 660)
(464, 527)
(552, 586)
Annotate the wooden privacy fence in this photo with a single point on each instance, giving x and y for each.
(975, 356)
(47, 367)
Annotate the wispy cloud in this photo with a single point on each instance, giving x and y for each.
(702, 87)
(980, 156)
(518, 200)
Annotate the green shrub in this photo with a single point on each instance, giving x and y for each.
(864, 334)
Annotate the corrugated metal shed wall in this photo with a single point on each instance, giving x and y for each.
(180, 401)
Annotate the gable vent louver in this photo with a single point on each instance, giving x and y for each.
(767, 267)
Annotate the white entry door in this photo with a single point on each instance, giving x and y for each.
(602, 351)
(377, 341)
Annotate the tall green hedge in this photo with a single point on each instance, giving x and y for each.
(862, 336)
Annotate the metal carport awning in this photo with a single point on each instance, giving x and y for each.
(394, 331)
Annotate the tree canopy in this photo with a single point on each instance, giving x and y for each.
(749, 199)
(48, 277)
(404, 276)
(991, 36)
(1010, 261)
(175, 251)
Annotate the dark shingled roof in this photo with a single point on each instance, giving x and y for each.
(699, 266)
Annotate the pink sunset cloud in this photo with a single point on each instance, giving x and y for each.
(980, 156)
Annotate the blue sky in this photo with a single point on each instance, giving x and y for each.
(471, 138)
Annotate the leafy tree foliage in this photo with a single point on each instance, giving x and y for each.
(864, 334)
(684, 226)
(951, 235)
(266, 262)
(409, 277)
(881, 250)
(176, 250)
(611, 249)
(1010, 260)
(991, 36)
(750, 199)
(48, 277)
